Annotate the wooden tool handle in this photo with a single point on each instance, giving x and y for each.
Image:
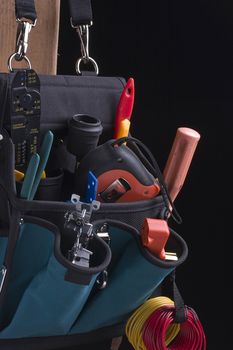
(179, 159)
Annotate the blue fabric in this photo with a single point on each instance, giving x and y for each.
(119, 241)
(41, 303)
(3, 245)
(32, 252)
(131, 282)
(49, 306)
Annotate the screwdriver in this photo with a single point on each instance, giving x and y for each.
(179, 160)
(124, 110)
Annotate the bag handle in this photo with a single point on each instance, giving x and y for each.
(80, 11)
(80, 19)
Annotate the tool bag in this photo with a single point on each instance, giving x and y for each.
(46, 300)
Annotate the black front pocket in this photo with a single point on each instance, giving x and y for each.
(49, 189)
(131, 213)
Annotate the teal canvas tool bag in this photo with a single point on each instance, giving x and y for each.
(48, 301)
(73, 268)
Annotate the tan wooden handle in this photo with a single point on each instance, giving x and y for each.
(179, 160)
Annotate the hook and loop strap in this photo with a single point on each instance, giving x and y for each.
(180, 308)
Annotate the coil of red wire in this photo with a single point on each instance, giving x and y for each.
(153, 327)
(190, 337)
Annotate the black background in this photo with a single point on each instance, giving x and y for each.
(180, 56)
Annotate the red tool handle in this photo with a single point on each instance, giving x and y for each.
(125, 105)
(179, 159)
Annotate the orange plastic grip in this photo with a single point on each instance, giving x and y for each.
(154, 236)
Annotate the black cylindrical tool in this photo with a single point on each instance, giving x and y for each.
(83, 135)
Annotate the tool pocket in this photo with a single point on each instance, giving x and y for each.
(129, 185)
(47, 292)
(49, 189)
(134, 273)
(132, 213)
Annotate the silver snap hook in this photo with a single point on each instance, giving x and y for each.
(83, 32)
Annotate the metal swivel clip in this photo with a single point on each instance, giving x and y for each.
(78, 221)
(22, 37)
(83, 32)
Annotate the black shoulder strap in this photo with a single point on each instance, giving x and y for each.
(25, 9)
(80, 11)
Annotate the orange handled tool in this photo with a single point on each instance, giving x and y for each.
(154, 236)
(179, 160)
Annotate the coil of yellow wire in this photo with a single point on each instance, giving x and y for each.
(135, 324)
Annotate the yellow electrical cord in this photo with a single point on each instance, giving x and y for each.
(135, 324)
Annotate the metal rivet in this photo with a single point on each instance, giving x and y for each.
(21, 221)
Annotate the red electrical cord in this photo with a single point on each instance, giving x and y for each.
(190, 337)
